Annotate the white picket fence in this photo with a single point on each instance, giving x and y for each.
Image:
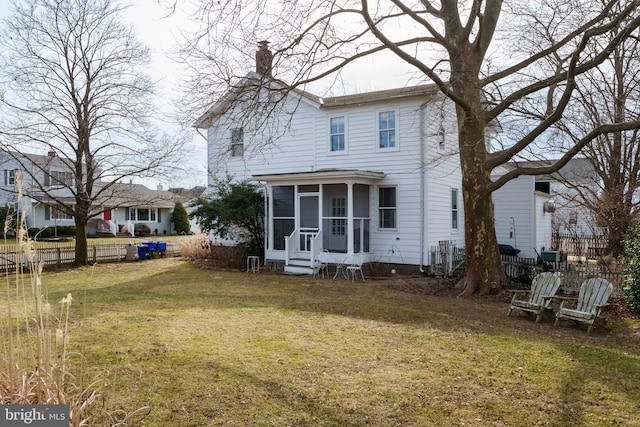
(572, 273)
(446, 258)
(60, 253)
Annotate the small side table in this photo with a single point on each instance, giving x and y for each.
(253, 264)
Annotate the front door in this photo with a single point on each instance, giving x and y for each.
(308, 220)
(107, 214)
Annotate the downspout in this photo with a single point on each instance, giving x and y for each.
(422, 185)
(267, 219)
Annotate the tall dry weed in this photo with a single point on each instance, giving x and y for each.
(195, 248)
(35, 364)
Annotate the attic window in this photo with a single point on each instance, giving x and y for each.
(237, 142)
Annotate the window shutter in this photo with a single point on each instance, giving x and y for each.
(47, 179)
(6, 177)
(159, 216)
(126, 214)
(47, 213)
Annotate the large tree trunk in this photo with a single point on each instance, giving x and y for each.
(81, 216)
(483, 264)
(81, 257)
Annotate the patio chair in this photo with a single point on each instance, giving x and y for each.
(592, 298)
(356, 265)
(321, 265)
(543, 287)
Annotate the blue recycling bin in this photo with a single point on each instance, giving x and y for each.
(153, 246)
(142, 252)
(162, 249)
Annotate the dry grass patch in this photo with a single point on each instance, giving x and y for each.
(207, 348)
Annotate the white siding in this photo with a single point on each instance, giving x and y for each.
(514, 209)
(305, 147)
(543, 222)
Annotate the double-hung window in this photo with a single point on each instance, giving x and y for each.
(454, 208)
(59, 212)
(237, 142)
(387, 208)
(61, 178)
(337, 133)
(387, 129)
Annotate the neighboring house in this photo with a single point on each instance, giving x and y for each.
(128, 204)
(374, 173)
(118, 208)
(523, 216)
(570, 215)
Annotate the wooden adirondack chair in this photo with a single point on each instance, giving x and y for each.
(592, 297)
(543, 287)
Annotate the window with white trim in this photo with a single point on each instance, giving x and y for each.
(11, 178)
(237, 142)
(387, 129)
(387, 208)
(61, 178)
(337, 133)
(59, 213)
(454, 208)
(143, 214)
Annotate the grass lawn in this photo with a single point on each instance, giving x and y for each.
(218, 348)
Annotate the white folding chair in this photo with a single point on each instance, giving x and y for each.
(356, 265)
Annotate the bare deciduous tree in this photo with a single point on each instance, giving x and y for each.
(610, 94)
(73, 85)
(483, 55)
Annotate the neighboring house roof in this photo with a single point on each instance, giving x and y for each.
(137, 195)
(578, 169)
(189, 193)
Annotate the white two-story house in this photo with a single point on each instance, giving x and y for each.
(373, 173)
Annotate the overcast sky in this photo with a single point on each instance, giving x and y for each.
(159, 31)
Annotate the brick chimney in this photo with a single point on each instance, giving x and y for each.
(263, 59)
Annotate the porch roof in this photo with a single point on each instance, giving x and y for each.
(322, 175)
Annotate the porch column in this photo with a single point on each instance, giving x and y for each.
(321, 213)
(349, 218)
(270, 218)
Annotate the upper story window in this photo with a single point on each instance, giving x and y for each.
(387, 129)
(10, 177)
(237, 142)
(454, 208)
(61, 178)
(337, 132)
(387, 208)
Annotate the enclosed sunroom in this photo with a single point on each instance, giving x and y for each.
(310, 213)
